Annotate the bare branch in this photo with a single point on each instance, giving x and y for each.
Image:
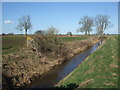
(24, 24)
(86, 25)
(102, 23)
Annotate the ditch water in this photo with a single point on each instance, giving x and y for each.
(49, 79)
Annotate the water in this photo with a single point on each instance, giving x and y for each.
(52, 77)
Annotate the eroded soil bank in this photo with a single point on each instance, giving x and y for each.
(23, 67)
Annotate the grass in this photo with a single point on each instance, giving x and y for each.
(99, 70)
(70, 39)
(12, 44)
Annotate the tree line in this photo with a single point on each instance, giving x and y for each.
(100, 22)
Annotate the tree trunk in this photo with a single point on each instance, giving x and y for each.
(26, 33)
(85, 32)
(26, 36)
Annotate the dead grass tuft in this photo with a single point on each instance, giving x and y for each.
(113, 66)
(85, 82)
(109, 84)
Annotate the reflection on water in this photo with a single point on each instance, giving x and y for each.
(59, 72)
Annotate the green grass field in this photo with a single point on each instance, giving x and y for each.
(70, 39)
(99, 70)
(13, 44)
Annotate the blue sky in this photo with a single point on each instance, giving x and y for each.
(62, 15)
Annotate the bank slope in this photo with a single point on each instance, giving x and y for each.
(99, 70)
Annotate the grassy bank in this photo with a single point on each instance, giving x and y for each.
(99, 70)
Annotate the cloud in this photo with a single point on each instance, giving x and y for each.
(8, 21)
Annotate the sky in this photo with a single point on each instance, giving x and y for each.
(62, 15)
(60, 0)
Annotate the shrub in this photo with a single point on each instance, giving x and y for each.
(10, 34)
(3, 34)
(69, 33)
(39, 32)
(48, 43)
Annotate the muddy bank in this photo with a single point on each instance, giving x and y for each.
(20, 69)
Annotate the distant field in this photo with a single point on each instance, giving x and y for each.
(70, 39)
(99, 70)
(13, 43)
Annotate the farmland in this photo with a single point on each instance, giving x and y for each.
(13, 44)
(70, 39)
(99, 70)
(35, 63)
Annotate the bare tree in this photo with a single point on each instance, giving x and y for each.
(86, 25)
(101, 23)
(52, 30)
(24, 24)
